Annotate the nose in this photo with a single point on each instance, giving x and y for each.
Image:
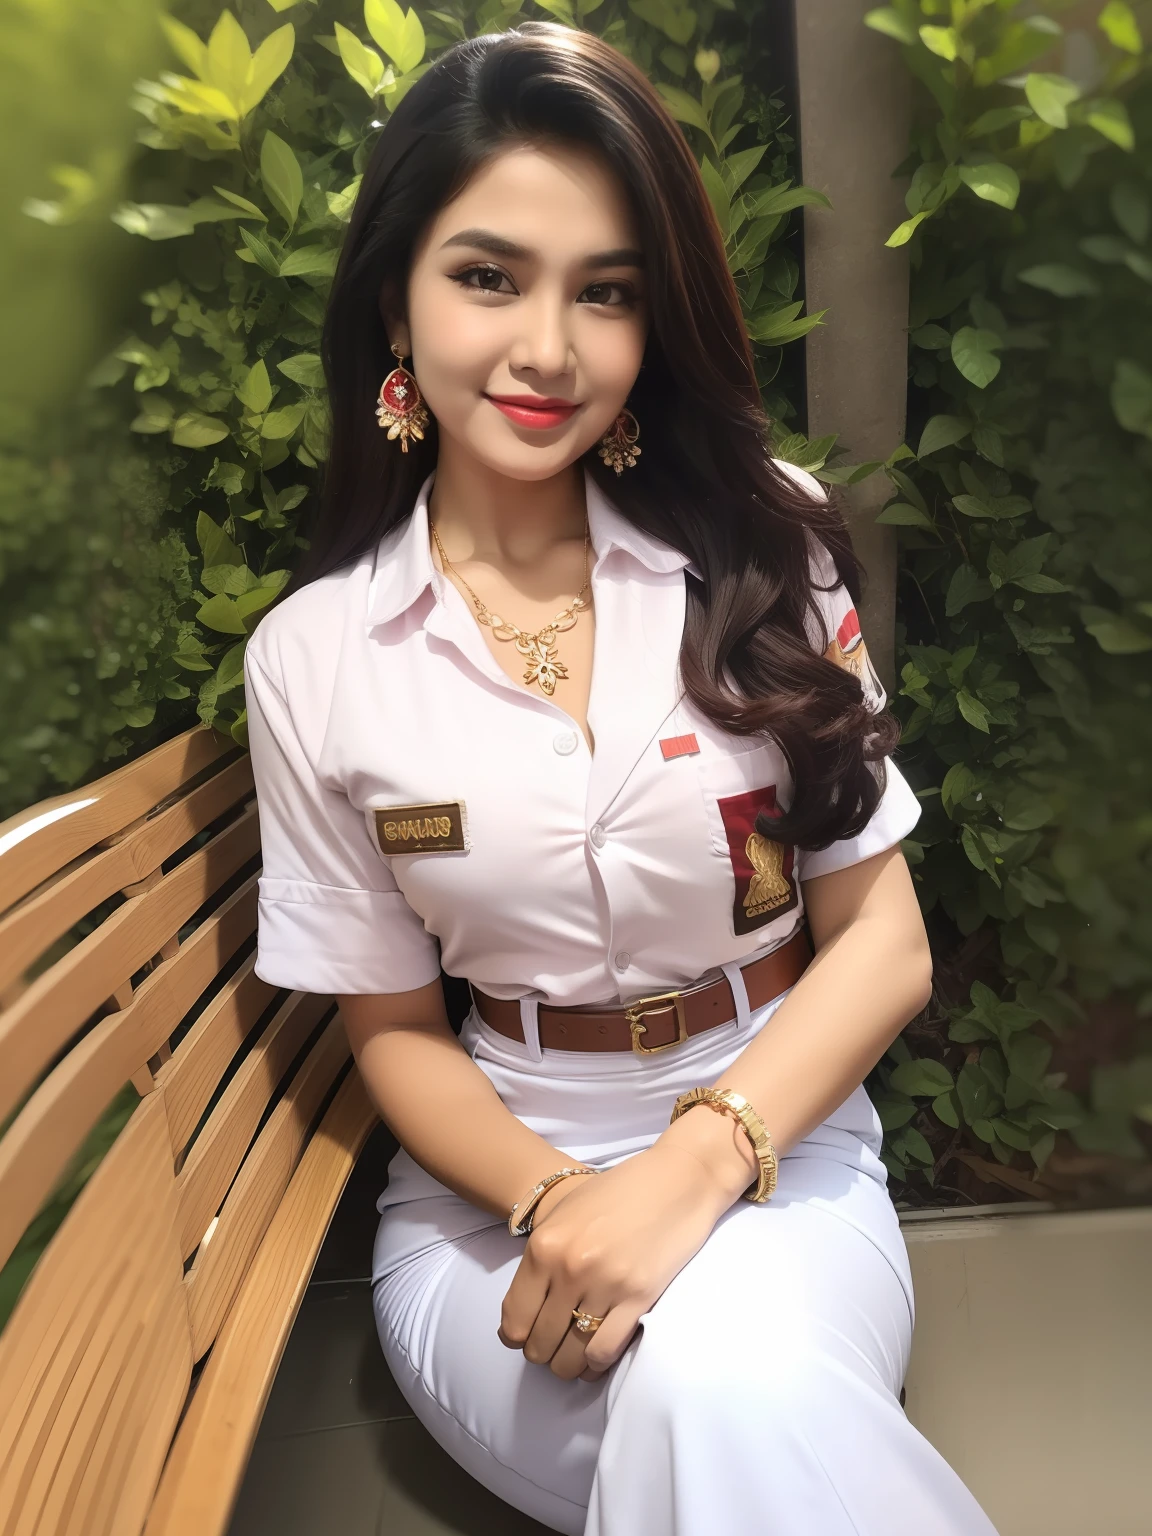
(544, 343)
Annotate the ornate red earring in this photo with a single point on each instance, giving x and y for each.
(618, 445)
(400, 407)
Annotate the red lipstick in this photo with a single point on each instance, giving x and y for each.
(540, 411)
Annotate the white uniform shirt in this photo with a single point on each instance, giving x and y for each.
(583, 878)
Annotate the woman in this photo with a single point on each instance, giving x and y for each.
(569, 697)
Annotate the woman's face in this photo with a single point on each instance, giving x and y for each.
(527, 314)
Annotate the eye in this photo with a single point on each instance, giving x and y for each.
(602, 294)
(489, 279)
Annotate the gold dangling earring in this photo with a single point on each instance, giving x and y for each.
(400, 406)
(618, 445)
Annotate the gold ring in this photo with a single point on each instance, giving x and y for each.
(584, 1321)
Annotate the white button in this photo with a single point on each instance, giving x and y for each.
(623, 960)
(598, 836)
(564, 743)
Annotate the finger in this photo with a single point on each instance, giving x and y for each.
(522, 1303)
(550, 1329)
(613, 1336)
(571, 1359)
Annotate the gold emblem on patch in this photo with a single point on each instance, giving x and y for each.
(768, 887)
(437, 828)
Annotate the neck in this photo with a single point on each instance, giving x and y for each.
(483, 515)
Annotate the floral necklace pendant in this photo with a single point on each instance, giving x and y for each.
(539, 651)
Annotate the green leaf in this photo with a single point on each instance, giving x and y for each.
(924, 1078)
(966, 585)
(216, 548)
(340, 204)
(1049, 96)
(893, 1109)
(717, 195)
(399, 33)
(305, 368)
(1110, 119)
(904, 232)
(241, 202)
(192, 429)
(256, 390)
(959, 783)
(309, 261)
(282, 177)
(1059, 278)
(973, 711)
(219, 613)
(1119, 26)
(887, 19)
(269, 62)
(364, 65)
(942, 432)
(683, 107)
(1114, 633)
(283, 422)
(993, 181)
(947, 1110)
(974, 353)
(903, 515)
(261, 251)
(995, 119)
(186, 45)
(1131, 396)
(945, 42)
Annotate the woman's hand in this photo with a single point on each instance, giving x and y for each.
(612, 1244)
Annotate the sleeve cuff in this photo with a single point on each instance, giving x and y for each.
(320, 938)
(895, 816)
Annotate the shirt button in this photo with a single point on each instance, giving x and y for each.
(564, 743)
(598, 836)
(623, 960)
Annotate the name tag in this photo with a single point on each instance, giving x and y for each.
(437, 828)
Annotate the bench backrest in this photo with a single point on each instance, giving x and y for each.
(127, 926)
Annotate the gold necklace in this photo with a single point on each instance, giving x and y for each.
(539, 649)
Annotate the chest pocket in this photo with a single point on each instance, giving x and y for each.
(736, 786)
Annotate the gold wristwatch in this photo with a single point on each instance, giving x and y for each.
(725, 1100)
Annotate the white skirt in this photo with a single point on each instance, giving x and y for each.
(761, 1392)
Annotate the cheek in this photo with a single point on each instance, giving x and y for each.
(611, 354)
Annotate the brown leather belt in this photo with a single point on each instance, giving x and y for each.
(657, 1023)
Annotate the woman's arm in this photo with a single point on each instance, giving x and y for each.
(613, 1244)
(439, 1104)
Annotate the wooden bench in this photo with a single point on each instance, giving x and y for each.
(135, 1367)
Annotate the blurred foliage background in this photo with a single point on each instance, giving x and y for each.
(163, 424)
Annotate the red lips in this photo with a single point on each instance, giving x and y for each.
(539, 411)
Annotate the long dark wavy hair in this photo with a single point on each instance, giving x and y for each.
(705, 483)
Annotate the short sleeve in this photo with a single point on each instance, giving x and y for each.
(836, 634)
(331, 918)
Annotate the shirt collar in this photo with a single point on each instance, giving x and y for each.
(404, 568)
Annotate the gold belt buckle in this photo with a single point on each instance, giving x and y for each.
(643, 1008)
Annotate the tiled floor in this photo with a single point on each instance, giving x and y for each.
(338, 1450)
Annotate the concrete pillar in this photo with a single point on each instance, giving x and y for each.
(854, 96)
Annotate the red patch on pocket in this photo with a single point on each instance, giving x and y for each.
(765, 886)
(679, 746)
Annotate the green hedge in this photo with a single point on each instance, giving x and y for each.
(1025, 513)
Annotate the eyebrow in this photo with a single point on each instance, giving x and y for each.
(499, 245)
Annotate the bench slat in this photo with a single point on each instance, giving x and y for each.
(70, 992)
(35, 844)
(219, 1149)
(190, 1077)
(51, 1126)
(203, 1473)
(39, 921)
(219, 1268)
(70, 1346)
